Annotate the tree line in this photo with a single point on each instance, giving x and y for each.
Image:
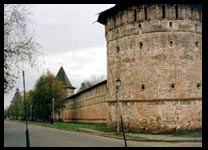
(38, 101)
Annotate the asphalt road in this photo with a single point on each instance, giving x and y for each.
(14, 136)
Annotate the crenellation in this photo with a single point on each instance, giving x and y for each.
(182, 12)
(130, 18)
(144, 13)
(171, 12)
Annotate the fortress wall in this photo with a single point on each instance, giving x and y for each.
(157, 115)
(88, 106)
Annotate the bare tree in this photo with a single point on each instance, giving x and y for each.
(19, 44)
(88, 83)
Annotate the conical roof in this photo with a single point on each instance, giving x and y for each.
(16, 96)
(83, 87)
(61, 76)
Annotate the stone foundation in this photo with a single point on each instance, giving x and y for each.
(156, 115)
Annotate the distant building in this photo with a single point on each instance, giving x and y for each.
(61, 76)
(15, 110)
(17, 96)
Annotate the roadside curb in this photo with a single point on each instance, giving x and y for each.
(137, 138)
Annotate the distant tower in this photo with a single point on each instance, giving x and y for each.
(83, 87)
(16, 96)
(61, 75)
(17, 100)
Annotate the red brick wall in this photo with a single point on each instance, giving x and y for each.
(170, 54)
(157, 115)
(89, 106)
(91, 113)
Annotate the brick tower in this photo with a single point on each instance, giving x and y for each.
(156, 52)
(61, 75)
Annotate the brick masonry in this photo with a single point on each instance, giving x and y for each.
(89, 106)
(156, 115)
(158, 58)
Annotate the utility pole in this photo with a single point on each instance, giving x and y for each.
(30, 112)
(26, 131)
(6, 114)
(118, 82)
(52, 120)
(118, 111)
(20, 107)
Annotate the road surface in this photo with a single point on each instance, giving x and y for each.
(14, 136)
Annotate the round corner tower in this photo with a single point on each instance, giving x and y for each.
(156, 52)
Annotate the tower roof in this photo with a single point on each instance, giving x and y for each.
(111, 11)
(61, 75)
(16, 96)
(83, 87)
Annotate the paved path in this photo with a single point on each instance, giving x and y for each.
(14, 136)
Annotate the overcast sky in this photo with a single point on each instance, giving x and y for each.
(67, 36)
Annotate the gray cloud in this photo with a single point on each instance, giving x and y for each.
(70, 27)
(67, 35)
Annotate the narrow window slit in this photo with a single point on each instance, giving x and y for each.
(145, 13)
(135, 15)
(198, 85)
(197, 43)
(114, 20)
(171, 24)
(140, 45)
(163, 11)
(117, 49)
(196, 27)
(176, 11)
(143, 87)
